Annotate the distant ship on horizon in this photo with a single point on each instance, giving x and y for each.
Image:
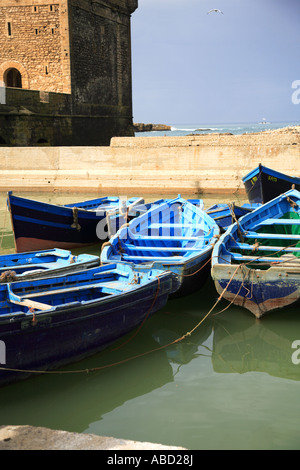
(264, 121)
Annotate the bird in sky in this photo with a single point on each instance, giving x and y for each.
(215, 10)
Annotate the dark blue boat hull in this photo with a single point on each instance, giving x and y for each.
(264, 184)
(192, 274)
(38, 225)
(40, 264)
(75, 331)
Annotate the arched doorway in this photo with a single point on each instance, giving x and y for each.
(14, 74)
(13, 78)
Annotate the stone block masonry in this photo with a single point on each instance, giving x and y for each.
(34, 41)
(139, 166)
(77, 49)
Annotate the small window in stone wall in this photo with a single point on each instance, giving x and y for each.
(35, 9)
(42, 141)
(9, 28)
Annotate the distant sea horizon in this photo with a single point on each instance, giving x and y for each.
(232, 128)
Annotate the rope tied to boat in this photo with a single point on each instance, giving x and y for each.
(120, 248)
(34, 319)
(292, 203)
(255, 246)
(231, 208)
(234, 219)
(75, 223)
(8, 276)
(108, 243)
(125, 213)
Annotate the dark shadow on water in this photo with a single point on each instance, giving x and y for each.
(132, 367)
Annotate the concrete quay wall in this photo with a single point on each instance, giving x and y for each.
(40, 438)
(193, 164)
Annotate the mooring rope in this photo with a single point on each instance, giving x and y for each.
(8, 276)
(75, 223)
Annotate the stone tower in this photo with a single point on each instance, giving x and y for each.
(65, 69)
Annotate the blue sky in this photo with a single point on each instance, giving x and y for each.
(192, 67)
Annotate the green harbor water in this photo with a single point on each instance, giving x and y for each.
(231, 384)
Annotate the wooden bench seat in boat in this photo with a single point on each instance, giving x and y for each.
(279, 222)
(27, 301)
(126, 257)
(67, 290)
(162, 225)
(263, 259)
(271, 236)
(163, 237)
(162, 248)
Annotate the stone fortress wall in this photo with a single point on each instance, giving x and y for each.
(212, 163)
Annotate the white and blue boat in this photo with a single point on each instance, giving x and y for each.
(45, 263)
(256, 263)
(48, 323)
(175, 235)
(146, 206)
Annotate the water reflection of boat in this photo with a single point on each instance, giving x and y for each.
(177, 319)
(242, 345)
(92, 395)
(184, 351)
(6, 240)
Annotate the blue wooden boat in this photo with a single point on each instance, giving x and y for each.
(263, 184)
(175, 235)
(48, 323)
(227, 214)
(39, 225)
(38, 264)
(256, 263)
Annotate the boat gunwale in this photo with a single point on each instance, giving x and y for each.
(269, 171)
(71, 307)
